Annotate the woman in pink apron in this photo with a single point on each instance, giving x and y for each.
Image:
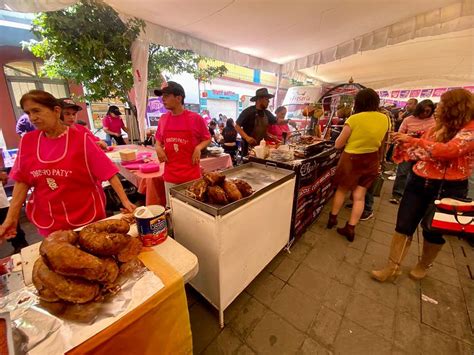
(180, 137)
(64, 167)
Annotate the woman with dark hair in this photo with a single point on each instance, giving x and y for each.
(445, 158)
(358, 167)
(64, 167)
(275, 131)
(421, 121)
(230, 138)
(113, 124)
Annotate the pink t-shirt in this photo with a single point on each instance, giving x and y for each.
(180, 122)
(113, 124)
(100, 165)
(413, 124)
(278, 129)
(87, 131)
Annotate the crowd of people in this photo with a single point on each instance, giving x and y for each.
(65, 163)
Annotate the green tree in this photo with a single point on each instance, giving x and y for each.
(88, 43)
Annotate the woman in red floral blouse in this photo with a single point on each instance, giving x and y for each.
(443, 154)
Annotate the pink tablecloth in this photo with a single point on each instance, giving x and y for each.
(152, 184)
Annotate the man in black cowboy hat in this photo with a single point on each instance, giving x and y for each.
(253, 122)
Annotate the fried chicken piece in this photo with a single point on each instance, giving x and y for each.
(67, 259)
(102, 243)
(217, 195)
(66, 288)
(130, 251)
(243, 186)
(112, 270)
(231, 191)
(128, 218)
(198, 190)
(214, 178)
(108, 226)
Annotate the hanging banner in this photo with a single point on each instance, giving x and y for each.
(384, 94)
(154, 110)
(415, 93)
(439, 91)
(395, 94)
(404, 94)
(425, 93)
(469, 88)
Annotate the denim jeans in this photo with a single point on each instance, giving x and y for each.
(419, 194)
(369, 202)
(403, 169)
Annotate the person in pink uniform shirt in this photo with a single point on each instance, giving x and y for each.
(64, 167)
(69, 117)
(275, 131)
(113, 124)
(180, 137)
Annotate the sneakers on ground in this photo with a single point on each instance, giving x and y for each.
(366, 215)
(392, 178)
(395, 200)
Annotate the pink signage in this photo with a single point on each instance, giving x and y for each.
(469, 88)
(439, 91)
(415, 93)
(426, 93)
(404, 94)
(395, 93)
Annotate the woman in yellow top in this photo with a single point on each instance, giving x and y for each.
(358, 167)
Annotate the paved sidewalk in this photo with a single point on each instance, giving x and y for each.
(320, 299)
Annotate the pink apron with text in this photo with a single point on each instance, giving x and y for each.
(179, 149)
(65, 195)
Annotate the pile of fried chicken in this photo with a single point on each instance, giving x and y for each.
(82, 267)
(214, 188)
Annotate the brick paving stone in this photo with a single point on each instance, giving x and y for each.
(226, 343)
(273, 335)
(436, 342)
(311, 236)
(385, 216)
(450, 314)
(204, 326)
(409, 301)
(337, 297)
(244, 350)
(320, 260)
(407, 335)
(353, 339)
(311, 347)
(382, 237)
(346, 273)
(299, 251)
(445, 274)
(363, 230)
(373, 316)
(325, 326)
(386, 293)
(384, 226)
(353, 256)
(248, 318)
(296, 307)
(236, 307)
(265, 287)
(286, 268)
(272, 265)
(359, 243)
(369, 262)
(446, 258)
(312, 283)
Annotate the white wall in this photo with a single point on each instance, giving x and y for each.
(190, 85)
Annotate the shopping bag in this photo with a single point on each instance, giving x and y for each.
(377, 185)
(451, 216)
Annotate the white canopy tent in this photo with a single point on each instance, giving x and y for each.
(380, 43)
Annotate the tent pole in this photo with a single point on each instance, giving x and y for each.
(277, 93)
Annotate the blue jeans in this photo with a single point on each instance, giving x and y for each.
(403, 170)
(419, 194)
(369, 202)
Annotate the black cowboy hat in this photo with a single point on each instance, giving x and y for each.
(262, 92)
(171, 87)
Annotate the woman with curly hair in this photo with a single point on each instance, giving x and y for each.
(445, 156)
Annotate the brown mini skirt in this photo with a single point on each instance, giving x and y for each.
(357, 170)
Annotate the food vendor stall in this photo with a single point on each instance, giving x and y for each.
(150, 183)
(314, 165)
(235, 241)
(154, 300)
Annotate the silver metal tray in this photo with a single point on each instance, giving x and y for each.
(262, 178)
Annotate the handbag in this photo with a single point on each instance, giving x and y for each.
(450, 215)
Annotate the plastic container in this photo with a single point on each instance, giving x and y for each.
(128, 154)
(151, 224)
